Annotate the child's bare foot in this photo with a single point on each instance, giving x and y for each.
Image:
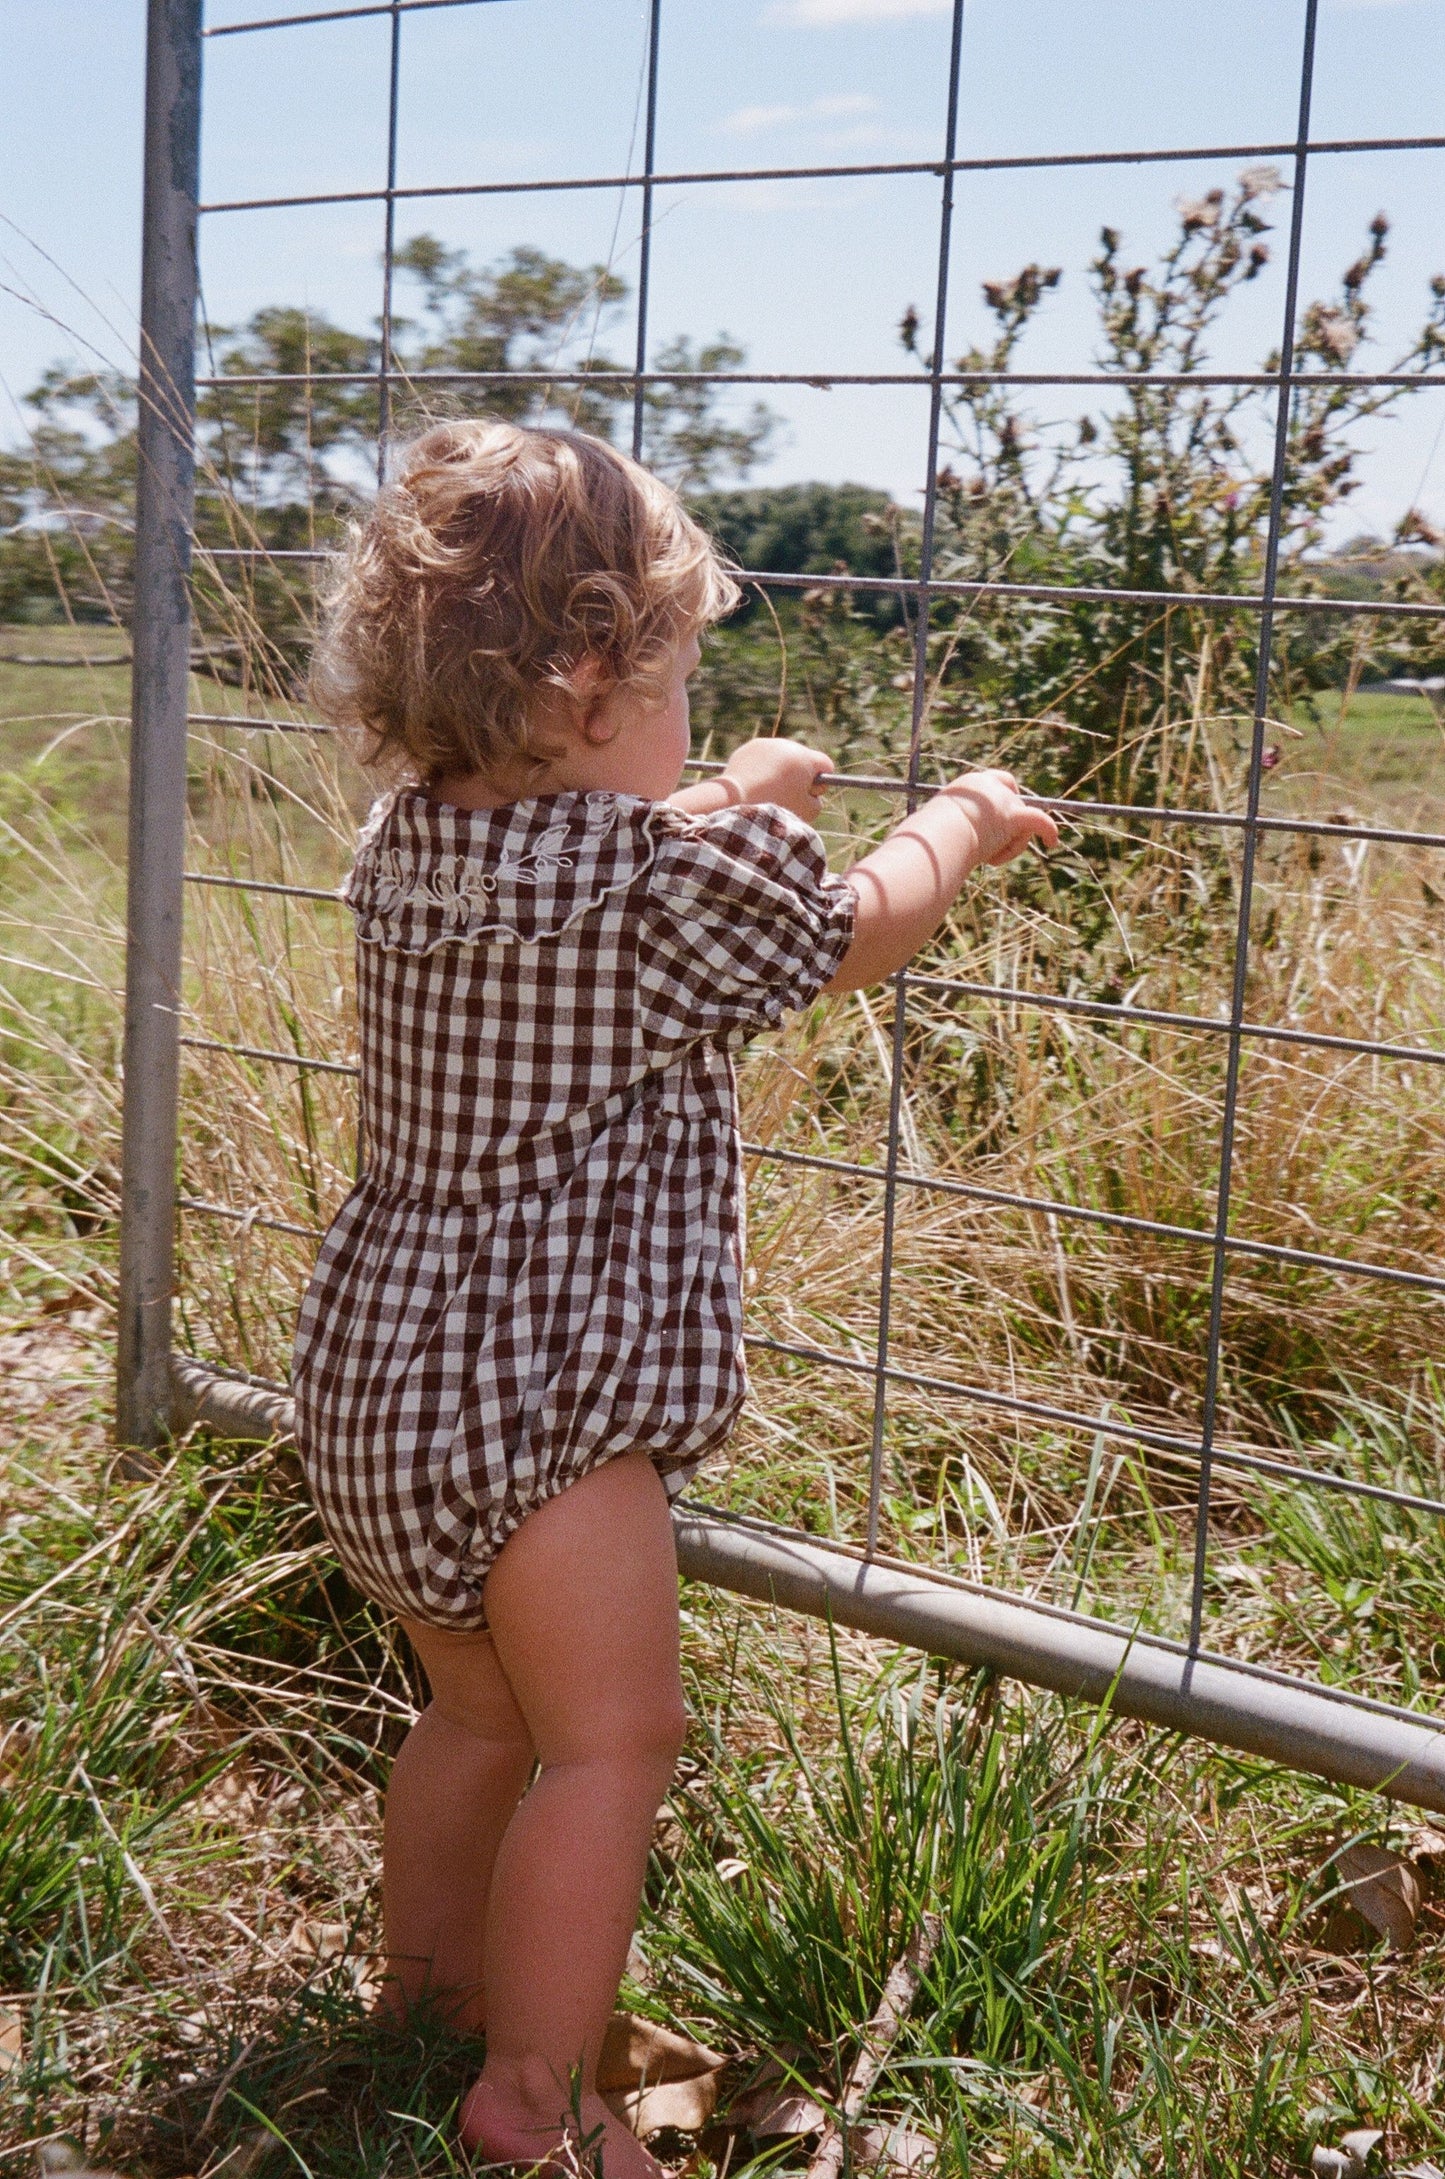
(507, 2126)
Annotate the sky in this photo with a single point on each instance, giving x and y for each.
(806, 275)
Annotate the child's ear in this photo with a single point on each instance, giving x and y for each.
(591, 692)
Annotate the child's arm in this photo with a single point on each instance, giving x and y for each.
(770, 769)
(906, 886)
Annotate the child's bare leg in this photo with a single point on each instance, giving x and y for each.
(457, 1779)
(582, 1604)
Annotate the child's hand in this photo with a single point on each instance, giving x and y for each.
(1003, 822)
(904, 887)
(774, 769)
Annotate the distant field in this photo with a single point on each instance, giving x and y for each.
(64, 752)
(1388, 751)
(66, 727)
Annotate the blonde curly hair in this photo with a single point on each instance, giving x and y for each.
(499, 559)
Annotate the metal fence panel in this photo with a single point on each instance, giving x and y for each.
(1182, 1685)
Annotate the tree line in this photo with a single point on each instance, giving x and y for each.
(1162, 485)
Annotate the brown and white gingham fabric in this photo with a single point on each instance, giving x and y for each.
(541, 1265)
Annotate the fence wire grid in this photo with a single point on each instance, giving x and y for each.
(898, 1174)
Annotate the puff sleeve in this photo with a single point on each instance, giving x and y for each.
(742, 921)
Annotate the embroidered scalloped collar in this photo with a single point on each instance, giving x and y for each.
(431, 873)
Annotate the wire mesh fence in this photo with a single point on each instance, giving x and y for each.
(1098, 1253)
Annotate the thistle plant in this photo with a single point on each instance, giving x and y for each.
(1163, 487)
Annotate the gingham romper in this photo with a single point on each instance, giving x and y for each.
(541, 1264)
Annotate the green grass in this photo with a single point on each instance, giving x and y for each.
(63, 738)
(198, 1717)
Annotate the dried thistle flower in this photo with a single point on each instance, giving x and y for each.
(1200, 212)
(1413, 529)
(1017, 297)
(1259, 181)
(1331, 333)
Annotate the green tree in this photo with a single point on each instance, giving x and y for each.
(805, 529)
(287, 423)
(67, 503)
(527, 312)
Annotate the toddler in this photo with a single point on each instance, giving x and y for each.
(524, 1329)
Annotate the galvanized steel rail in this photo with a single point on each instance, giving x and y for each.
(1344, 1737)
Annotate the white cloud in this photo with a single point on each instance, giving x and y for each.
(749, 120)
(832, 14)
(753, 120)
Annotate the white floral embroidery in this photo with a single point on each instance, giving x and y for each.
(387, 881)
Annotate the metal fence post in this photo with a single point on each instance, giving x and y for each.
(160, 645)
(1179, 1686)
(644, 255)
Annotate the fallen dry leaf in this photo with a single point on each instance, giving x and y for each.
(651, 2078)
(64, 2155)
(320, 1940)
(1351, 2159)
(637, 2053)
(234, 1795)
(792, 2112)
(67, 1304)
(893, 2149)
(1378, 1888)
(772, 2104)
(687, 2105)
(12, 2038)
(1426, 1848)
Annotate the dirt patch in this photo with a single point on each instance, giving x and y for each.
(54, 1402)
